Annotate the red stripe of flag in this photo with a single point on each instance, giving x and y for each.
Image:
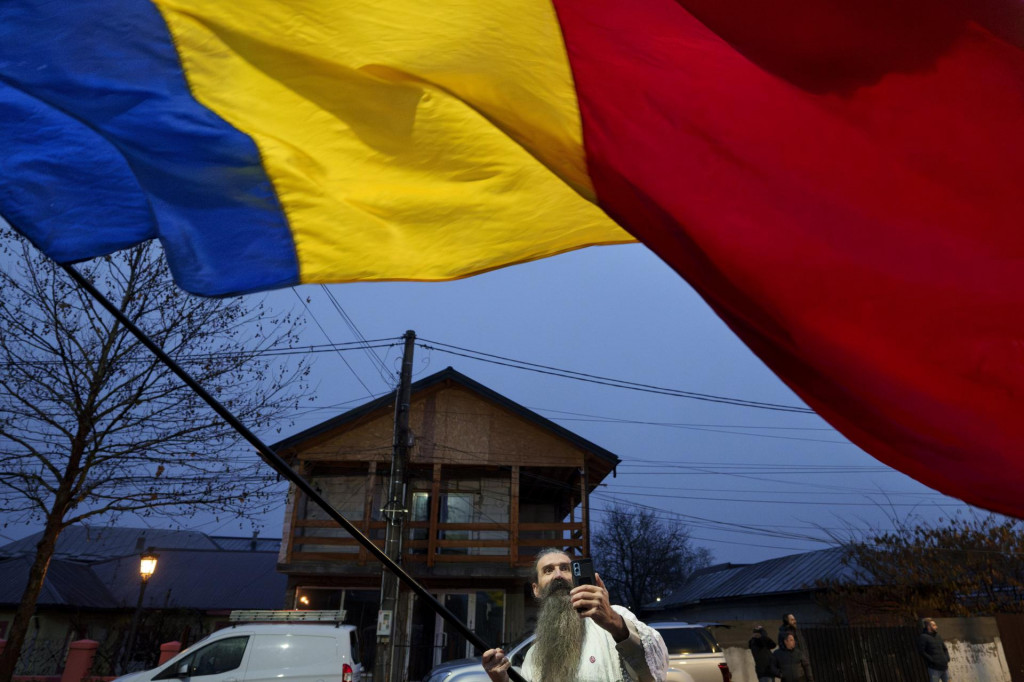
(842, 182)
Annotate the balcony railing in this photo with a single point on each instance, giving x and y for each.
(516, 546)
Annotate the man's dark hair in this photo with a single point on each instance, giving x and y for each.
(540, 555)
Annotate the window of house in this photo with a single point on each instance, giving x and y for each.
(456, 508)
(463, 501)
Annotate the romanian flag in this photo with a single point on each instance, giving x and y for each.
(842, 180)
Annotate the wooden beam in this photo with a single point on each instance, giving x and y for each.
(371, 481)
(548, 542)
(341, 538)
(296, 501)
(469, 544)
(551, 526)
(435, 512)
(328, 523)
(462, 558)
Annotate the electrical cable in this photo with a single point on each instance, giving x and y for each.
(605, 381)
(328, 337)
(389, 377)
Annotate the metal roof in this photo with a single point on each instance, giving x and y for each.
(793, 573)
(92, 543)
(98, 567)
(67, 583)
(247, 544)
(197, 579)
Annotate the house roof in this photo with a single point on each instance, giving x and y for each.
(93, 543)
(68, 583)
(256, 544)
(198, 579)
(97, 567)
(449, 375)
(793, 573)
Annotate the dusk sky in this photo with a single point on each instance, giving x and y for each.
(751, 483)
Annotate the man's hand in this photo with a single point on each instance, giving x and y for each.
(496, 665)
(591, 601)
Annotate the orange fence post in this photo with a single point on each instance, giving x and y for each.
(168, 650)
(80, 657)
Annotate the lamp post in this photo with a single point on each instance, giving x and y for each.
(147, 567)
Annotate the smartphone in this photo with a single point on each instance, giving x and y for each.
(582, 572)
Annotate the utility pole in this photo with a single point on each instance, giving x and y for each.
(391, 618)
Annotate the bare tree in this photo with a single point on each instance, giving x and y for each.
(92, 425)
(641, 557)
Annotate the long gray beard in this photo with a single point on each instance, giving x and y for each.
(560, 634)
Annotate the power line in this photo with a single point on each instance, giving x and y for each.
(386, 375)
(790, 502)
(599, 418)
(859, 493)
(328, 337)
(313, 349)
(693, 427)
(712, 428)
(710, 524)
(604, 381)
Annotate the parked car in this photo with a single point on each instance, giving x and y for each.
(694, 655)
(266, 652)
(693, 649)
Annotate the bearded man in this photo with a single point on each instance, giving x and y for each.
(580, 636)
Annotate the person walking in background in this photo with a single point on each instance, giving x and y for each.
(761, 646)
(934, 652)
(789, 626)
(789, 664)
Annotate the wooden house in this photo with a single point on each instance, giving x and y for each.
(489, 483)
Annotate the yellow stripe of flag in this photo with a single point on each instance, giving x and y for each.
(396, 133)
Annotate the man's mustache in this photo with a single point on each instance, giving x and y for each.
(557, 585)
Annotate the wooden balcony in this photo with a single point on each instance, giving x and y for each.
(516, 547)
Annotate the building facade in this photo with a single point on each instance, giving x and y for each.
(488, 484)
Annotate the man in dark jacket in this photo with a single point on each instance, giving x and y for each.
(761, 646)
(934, 652)
(789, 627)
(789, 663)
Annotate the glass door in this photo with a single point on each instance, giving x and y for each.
(424, 653)
(453, 645)
(433, 640)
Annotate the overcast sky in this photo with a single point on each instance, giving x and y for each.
(752, 483)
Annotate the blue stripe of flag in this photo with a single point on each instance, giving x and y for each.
(102, 146)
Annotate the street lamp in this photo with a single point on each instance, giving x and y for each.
(147, 567)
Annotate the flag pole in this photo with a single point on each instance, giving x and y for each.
(282, 467)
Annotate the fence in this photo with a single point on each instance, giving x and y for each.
(864, 654)
(80, 657)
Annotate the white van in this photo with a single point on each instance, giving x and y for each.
(265, 652)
